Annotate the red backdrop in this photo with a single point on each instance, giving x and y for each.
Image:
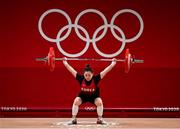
(27, 83)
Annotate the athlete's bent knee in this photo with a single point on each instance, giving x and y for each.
(77, 101)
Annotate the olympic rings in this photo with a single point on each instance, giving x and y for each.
(91, 108)
(68, 54)
(127, 11)
(92, 11)
(53, 11)
(109, 55)
(87, 38)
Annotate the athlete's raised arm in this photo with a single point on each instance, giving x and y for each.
(69, 67)
(108, 68)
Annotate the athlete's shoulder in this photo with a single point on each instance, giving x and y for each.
(79, 76)
(97, 76)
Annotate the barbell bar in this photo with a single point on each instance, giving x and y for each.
(51, 59)
(89, 59)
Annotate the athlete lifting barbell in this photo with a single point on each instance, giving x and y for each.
(89, 91)
(128, 60)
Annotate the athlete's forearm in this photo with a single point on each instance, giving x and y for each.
(70, 68)
(107, 69)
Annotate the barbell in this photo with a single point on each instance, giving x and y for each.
(51, 59)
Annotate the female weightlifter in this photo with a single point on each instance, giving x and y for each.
(89, 89)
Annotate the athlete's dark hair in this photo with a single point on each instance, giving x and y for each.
(88, 68)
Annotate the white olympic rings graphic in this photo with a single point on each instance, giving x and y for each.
(87, 38)
(90, 108)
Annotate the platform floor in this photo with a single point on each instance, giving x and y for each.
(89, 123)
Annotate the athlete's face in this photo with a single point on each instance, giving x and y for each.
(88, 75)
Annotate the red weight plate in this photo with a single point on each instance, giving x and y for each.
(127, 61)
(51, 59)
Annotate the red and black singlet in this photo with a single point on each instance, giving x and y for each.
(89, 87)
(89, 90)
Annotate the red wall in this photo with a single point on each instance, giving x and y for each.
(27, 83)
